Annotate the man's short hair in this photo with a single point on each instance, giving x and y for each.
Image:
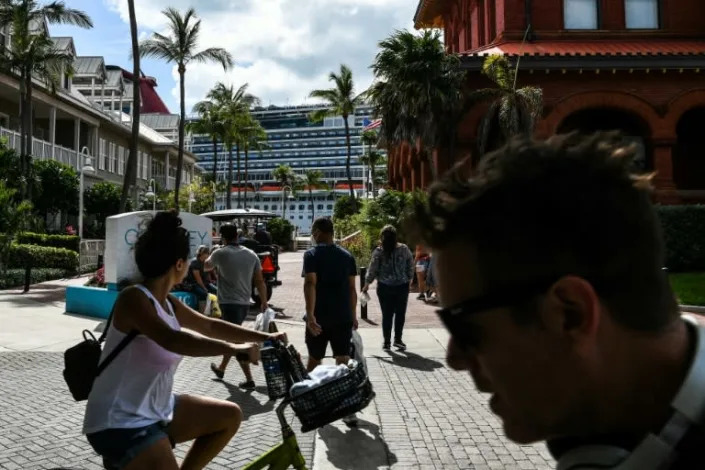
(228, 232)
(323, 224)
(570, 205)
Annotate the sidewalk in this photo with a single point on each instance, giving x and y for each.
(425, 416)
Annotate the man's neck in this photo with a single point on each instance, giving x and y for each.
(651, 371)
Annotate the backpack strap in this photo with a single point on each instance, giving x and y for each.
(118, 349)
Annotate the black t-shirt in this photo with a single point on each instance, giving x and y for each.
(333, 266)
(196, 265)
(263, 237)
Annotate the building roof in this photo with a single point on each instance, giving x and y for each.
(89, 66)
(114, 77)
(64, 43)
(160, 121)
(612, 47)
(428, 14)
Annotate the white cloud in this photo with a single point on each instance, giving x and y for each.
(282, 48)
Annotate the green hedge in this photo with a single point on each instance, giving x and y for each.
(281, 231)
(15, 277)
(684, 234)
(69, 242)
(32, 256)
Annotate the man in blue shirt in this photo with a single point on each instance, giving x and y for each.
(331, 298)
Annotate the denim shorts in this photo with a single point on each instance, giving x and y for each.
(119, 447)
(234, 313)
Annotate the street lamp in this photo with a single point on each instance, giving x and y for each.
(85, 159)
(151, 193)
(191, 200)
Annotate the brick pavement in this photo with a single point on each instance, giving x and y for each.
(290, 296)
(427, 417)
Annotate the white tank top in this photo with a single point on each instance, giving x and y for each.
(134, 390)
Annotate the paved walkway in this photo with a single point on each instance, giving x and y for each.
(425, 416)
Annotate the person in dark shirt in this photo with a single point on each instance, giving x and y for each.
(331, 298)
(198, 280)
(262, 236)
(549, 262)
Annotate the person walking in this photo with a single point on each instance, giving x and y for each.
(331, 296)
(392, 265)
(133, 419)
(238, 269)
(422, 260)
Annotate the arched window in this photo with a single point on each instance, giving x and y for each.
(580, 14)
(641, 14)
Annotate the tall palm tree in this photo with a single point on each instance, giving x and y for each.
(179, 47)
(33, 54)
(512, 111)
(210, 123)
(368, 138)
(418, 91)
(253, 138)
(341, 101)
(313, 179)
(372, 159)
(286, 177)
(131, 170)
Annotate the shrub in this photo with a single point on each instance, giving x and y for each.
(69, 242)
(32, 256)
(15, 277)
(683, 229)
(281, 231)
(345, 206)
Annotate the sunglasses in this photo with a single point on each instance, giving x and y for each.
(454, 317)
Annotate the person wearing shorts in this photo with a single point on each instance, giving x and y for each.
(238, 269)
(331, 297)
(422, 261)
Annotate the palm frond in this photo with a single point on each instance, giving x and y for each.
(57, 13)
(159, 50)
(214, 54)
(319, 115)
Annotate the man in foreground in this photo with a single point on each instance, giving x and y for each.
(238, 269)
(549, 265)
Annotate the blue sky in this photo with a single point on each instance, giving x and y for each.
(282, 48)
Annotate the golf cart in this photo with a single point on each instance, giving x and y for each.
(268, 254)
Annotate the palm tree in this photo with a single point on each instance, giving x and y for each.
(368, 138)
(33, 54)
(313, 179)
(131, 170)
(418, 91)
(342, 101)
(372, 159)
(254, 137)
(210, 123)
(179, 47)
(513, 111)
(286, 177)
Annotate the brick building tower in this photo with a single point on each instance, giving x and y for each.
(634, 65)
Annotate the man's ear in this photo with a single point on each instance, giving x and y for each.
(572, 309)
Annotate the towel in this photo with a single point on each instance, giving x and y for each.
(321, 375)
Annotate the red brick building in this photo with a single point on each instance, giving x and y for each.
(634, 65)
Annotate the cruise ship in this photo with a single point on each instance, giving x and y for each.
(292, 139)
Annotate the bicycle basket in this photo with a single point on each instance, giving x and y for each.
(280, 379)
(333, 400)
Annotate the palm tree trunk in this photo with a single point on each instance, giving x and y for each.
(247, 158)
(30, 131)
(347, 162)
(369, 169)
(229, 194)
(130, 174)
(215, 166)
(182, 125)
(310, 198)
(283, 203)
(23, 134)
(431, 163)
(239, 174)
(372, 187)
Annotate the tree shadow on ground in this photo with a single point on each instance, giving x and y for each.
(357, 448)
(410, 360)
(250, 404)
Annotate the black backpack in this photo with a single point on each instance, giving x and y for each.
(82, 362)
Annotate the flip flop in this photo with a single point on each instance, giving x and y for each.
(218, 373)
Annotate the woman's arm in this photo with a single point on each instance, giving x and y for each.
(213, 328)
(372, 270)
(410, 264)
(135, 311)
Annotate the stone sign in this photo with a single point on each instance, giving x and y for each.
(122, 231)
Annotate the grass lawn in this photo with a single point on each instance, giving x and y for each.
(689, 288)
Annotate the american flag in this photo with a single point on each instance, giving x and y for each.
(369, 125)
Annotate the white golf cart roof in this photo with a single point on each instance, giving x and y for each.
(232, 214)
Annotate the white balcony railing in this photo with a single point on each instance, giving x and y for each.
(41, 149)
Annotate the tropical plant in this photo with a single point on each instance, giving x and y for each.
(344, 207)
(56, 189)
(341, 101)
(288, 180)
(512, 111)
(33, 55)
(253, 138)
(131, 169)
(13, 217)
(313, 179)
(418, 92)
(281, 231)
(210, 123)
(202, 197)
(372, 159)
(102, 200)
(179, 47)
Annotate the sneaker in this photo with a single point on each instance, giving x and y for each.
(421, 296)
(386, 346)
(399, 345)
(218, 373)
(350, 420)
(248, 385)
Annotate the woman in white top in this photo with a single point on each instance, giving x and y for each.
(133, 419)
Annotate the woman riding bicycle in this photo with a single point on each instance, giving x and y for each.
(133, 419)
